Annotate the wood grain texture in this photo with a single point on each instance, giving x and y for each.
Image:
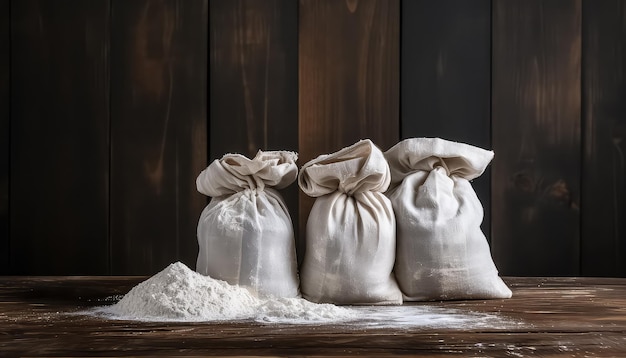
(604, 116)
(254, 80)
(547, 317)
(446, 76)
(59, 137)
(536, 113)
(349, 78)
(158, 132)
(5, 115)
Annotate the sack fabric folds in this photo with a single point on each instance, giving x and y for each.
(441, 253)
(245, 234)
(351, 230)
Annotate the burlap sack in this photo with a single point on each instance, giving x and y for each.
(350, 233)
(245, 234)
(442, 253)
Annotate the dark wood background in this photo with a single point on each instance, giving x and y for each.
(109, 109)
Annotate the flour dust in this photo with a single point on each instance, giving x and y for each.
(178, 294)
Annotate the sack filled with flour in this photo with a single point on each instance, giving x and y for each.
(351, 230)
(245, 234)
(442, 253)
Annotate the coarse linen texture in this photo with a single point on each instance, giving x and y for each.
(245, 234)
(442, 254)
(351, 230)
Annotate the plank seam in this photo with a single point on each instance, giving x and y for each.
(583, 141)
(400, 50)
(490, 236)
(110, 139)
(8, 253)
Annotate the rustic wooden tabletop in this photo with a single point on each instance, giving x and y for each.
(546, 317)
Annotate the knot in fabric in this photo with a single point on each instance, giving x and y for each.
(234, 173)
(425, 154)
(355, 169)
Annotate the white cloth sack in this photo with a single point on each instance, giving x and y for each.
(351, 230)
(442, 253)
(245, 234)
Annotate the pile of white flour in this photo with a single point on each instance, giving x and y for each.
(179, 294)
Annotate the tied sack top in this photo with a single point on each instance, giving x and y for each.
(234, 173)
(425, 154)
(359, 168)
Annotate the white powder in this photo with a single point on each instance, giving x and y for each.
(300, 310)
(180, 294)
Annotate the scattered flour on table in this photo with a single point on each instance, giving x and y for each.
(179, 294)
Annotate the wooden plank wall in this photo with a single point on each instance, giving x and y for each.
(158, 132)
(109, 110)
(59, 136)
(604, 138)
(536, 135)
(5, 113)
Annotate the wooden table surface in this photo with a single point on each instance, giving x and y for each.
(546, 317)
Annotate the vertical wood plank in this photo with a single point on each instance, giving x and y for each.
(446, 76)
(349, 59)
(254, 80)
(158, 132)
(59, 137)
(5, 112)
(536, 116)
(604, 163)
